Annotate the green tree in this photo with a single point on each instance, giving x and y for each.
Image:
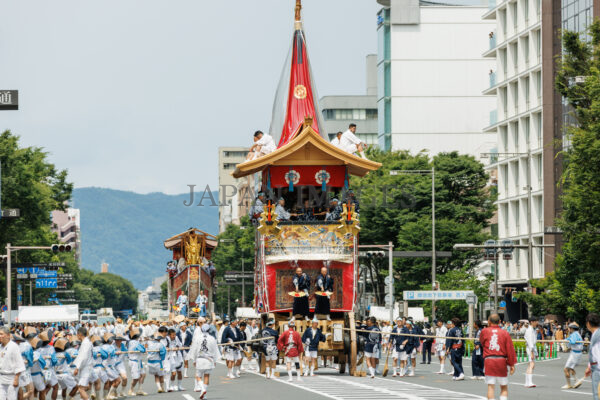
(578, 81)
(117, 291)
(398, 208)
(33, 185)
(235, 243)
(164, 291)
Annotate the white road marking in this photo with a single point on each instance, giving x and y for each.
(573, 392)
(382, 389)
(188, 397)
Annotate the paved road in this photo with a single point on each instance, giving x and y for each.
(426, 385)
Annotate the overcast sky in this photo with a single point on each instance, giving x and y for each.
(138, 94)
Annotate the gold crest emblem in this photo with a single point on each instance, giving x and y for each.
(300, 92)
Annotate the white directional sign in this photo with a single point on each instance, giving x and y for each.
(388, 298)
(436, 295)
(471, 299)
(387, 280)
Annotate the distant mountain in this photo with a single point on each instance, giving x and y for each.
(127, 230)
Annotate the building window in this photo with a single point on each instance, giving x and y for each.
(526, 131)
(354, 114)
(235, 154)
(229, 166)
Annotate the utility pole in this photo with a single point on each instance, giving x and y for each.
(433, 255)
(8, 286)
(529, 227)
(243, 282)
(391, 279)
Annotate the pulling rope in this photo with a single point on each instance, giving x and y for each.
(455, 338)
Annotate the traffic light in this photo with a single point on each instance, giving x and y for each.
(507, 251)
(490, 250)
(377, 254)
(61, 248)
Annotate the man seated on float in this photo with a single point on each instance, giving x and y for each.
(351, 199)
(282, 213)
(258, 208)
(307, 213)
(335, 211)
(351, 143)
(336, 139)
(263, 145)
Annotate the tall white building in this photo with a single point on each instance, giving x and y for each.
(231, 191)
(431, 74)
(529, 120)
(516, 81)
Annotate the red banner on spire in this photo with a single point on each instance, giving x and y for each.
(301, 101)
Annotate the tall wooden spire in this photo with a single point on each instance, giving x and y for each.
(298, 10)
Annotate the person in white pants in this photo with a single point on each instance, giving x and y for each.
(11, 366)
(531, 341)
(204, 353)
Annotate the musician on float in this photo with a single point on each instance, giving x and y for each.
(302, 285)
(325, 287)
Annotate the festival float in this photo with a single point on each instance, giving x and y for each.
(189, 272)
(306, 166)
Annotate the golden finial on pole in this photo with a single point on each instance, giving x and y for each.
(298, 10)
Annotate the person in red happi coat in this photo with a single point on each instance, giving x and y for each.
(499, 356)
(290, 343)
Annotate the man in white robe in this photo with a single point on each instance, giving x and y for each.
(11, 366)
(351, 143)
(263, 145)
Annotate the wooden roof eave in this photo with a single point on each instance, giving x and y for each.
(357, 166)
(211, 240)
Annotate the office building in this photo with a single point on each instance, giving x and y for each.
(529, 119)
(67, 226)
(341, 111)
(431, 74)
(232, 206)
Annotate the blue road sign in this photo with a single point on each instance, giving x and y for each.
(5, 308)
(502, 304)
(46, 283)
(42, 273)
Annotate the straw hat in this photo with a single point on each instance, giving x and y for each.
(120, 337)
(35, 342)
(30, 332)
(17, 338)
(61, 344)
(108, 337)
(96, 340)
(75, 341)
(134, 333)
(179, 318)
(45, 337)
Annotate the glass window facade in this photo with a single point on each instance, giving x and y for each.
(384, 78)
(576, 16)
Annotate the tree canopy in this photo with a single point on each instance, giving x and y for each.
(397, 207)
(235, 243)
(32, 184)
